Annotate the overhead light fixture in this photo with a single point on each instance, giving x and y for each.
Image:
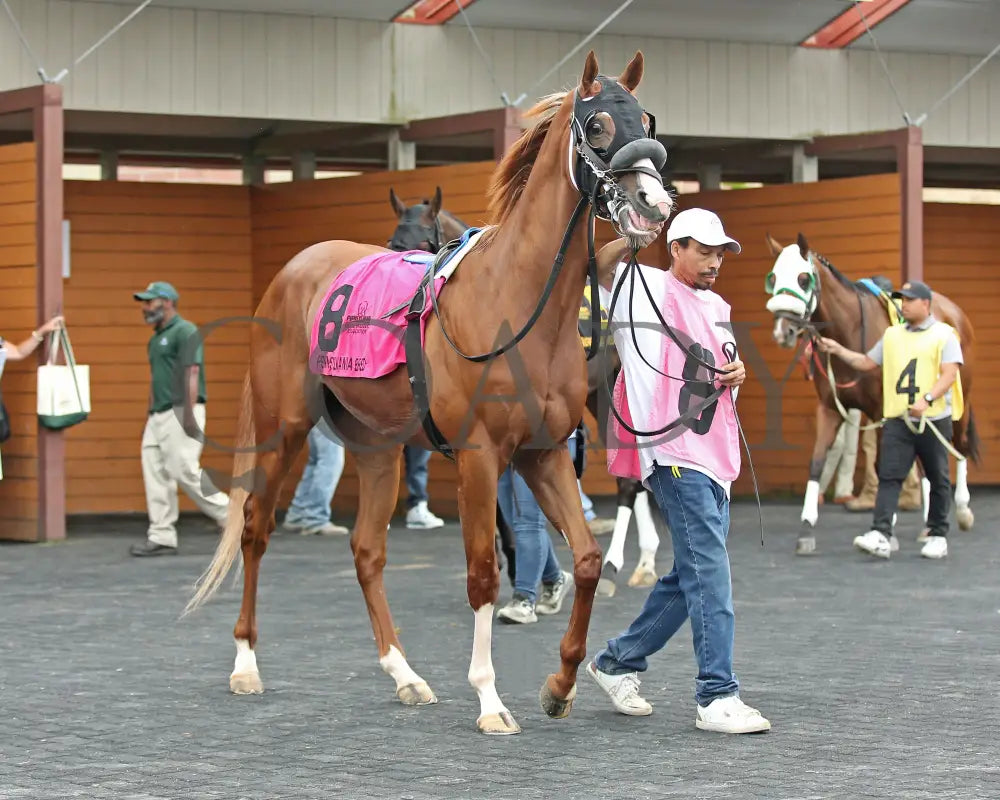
(431, 12)
(849, 26)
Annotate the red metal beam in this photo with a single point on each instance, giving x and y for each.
(431, 12)
(849, 26)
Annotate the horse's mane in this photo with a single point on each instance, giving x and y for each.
(840, 276)
(512, 172)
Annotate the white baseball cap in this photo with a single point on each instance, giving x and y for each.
(702, 226)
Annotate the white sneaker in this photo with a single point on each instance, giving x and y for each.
(326, 529)
(623, 691)
(519, 610)
(874, 543)
(551, 599)
(936, 547)
(730, 715)
(420, 518)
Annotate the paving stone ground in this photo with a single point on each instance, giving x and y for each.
(880, 678)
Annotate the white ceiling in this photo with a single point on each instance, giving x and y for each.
(970, 27)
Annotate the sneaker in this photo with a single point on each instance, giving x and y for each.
(553, 595)
(420, 518)
(290, 527)
(519, 610)
(874, 543)
(326, 529)
(601, 526)
(936, 547)
(623, 691)
(730, 715)
(148, 548)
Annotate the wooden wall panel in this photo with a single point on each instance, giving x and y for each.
(960, 245)
(123, 236)
(18, 303)
(855, 223)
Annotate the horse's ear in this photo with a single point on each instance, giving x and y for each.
(397, 205)
(587, 87)
(773, 243)
(803, 247)
(633, 72)
(436, 203)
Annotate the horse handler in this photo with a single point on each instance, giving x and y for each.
(921, 390)
(688, 470)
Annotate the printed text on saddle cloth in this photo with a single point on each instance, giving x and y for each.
(648, 401)
(351, 335)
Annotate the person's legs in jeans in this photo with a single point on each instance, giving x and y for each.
(896, 454)
(534, 554)
(699, 586)
(934, 459)
(310, 506)
(415, 459)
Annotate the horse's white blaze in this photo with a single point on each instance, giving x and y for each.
(649, 539)
(810, 507)
(655, 192)
(395, 666)
(481, 674)
(246, 659)
(616, 550)
(962, 495)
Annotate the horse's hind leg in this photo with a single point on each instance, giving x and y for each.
(827, 422)
(615, 557)
(963, 514)
(644, 574)
(258, 513)
(378, 477)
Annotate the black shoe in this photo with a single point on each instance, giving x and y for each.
(148, 548)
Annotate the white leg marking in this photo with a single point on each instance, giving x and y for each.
(616, 550)
(649, 539)
(481, 674)
(962, 495)
(246, 659)
(810, 506)
(395, 666)
(925, 496)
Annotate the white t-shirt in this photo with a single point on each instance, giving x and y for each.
(641, 383)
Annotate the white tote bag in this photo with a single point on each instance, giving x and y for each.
(63, 389)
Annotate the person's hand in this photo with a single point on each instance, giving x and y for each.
(735, 374)
(53, 324)
(825, 345)
(918, 408)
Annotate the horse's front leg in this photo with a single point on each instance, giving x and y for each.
(550, 475)
(827, 422)
(963, 513)
(478, 472)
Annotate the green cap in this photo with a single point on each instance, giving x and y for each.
(158, 289)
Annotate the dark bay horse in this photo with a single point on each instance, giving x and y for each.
(808, 294)
(591, 145)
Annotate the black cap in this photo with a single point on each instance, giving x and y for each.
(913, 290)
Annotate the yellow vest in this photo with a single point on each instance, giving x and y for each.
(583, 319)
(911, 365)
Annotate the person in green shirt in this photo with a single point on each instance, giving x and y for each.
(171, 441)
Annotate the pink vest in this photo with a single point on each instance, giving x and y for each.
(711, 439)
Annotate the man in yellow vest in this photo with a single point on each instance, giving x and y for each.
(921, 389)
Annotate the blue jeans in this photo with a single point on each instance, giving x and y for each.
(699, 586)
(311, 504)
(415, 460)
(588, 504)
(534, 554)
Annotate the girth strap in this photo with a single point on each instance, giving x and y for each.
(416, 369)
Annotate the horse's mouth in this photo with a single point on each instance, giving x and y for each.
(640, 230)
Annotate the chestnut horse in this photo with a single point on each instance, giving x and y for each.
(593, 144)
(809, 294)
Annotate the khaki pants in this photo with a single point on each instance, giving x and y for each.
(842, 457)
(170, 458)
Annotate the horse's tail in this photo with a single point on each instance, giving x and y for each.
(244, 474)
(972, 441)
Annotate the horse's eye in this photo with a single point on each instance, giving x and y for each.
(595, 128)
(600, 130)
(805, 281)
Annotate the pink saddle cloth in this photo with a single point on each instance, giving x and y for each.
(353, 334)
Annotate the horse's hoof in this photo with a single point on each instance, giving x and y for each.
(805, 546)
(965, 518)
(501, 724)
(416, 694)
(246, 683)
(605, 588)
(643, 576)
(556, 707)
